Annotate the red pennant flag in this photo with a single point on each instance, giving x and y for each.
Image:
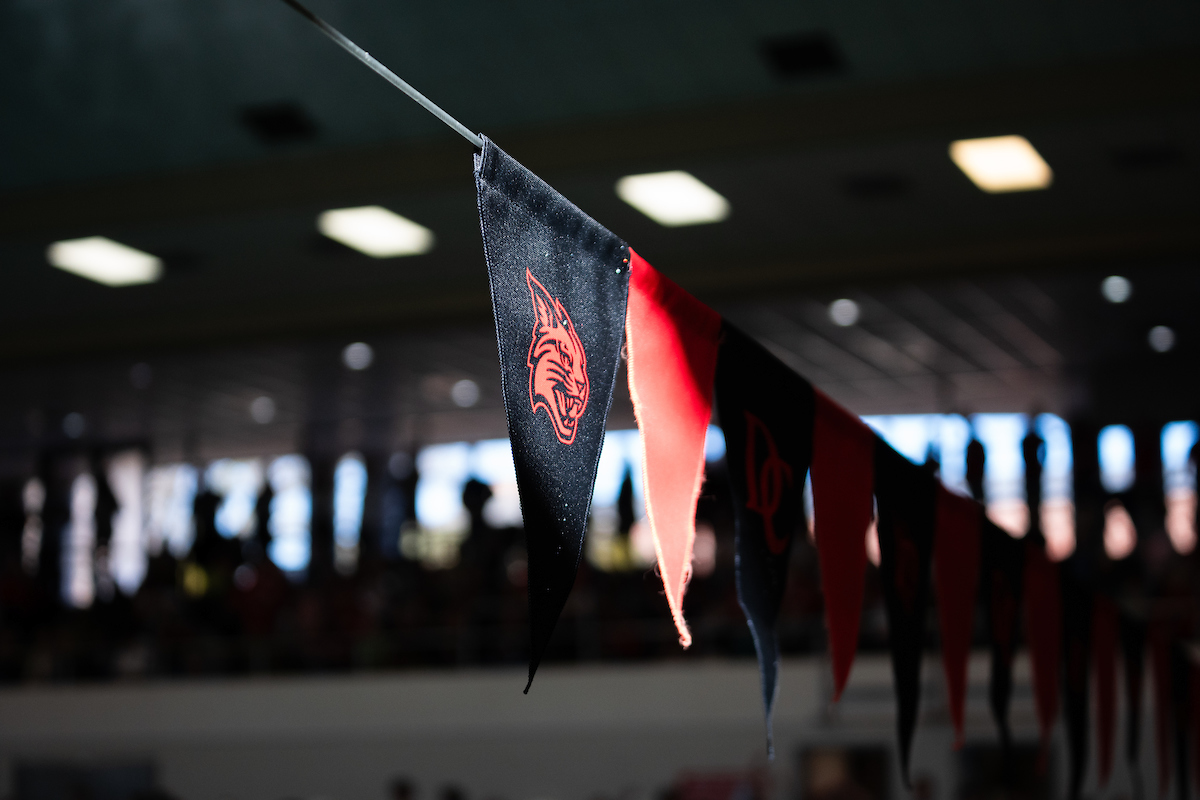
(672, 339)
(842, 483)
(1043, 623)
(1104, 655)
(956, 578)
(1076, 647)
(1160, 671)
(1194, 718)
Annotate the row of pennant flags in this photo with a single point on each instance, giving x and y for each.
(572, 301)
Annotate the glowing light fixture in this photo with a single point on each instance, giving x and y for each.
(1002, 164)
(1116, 289)
(1161, 338)
(843, 312)
(375, 231)
(465, 393)
(262, 410)
(104, 261)
(358, 356)
(673, 198)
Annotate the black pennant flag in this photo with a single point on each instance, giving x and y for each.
(1133, 650)
(1001, 576)
(1076, 629)
(766, 412)
(906, 496)
(559, 283)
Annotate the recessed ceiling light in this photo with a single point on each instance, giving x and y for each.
(74, 424)
(1161, 338)
(104, 261)
(262, 410)
(376, 231)
(1002, 164)
(465, 393)
(673, 198)
(358, 356)
(843, 312)
(1116, 289)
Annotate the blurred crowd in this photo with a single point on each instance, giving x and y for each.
(225, 608)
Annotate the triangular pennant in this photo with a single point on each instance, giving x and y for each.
(1002, 571)
(1160, 675)
(956, 548)
(907, 502)
(1043, 627)
(1180, 698)
(842, 486)
(672, 341)
(1133, 662)
(766, 412)
(1077, 628)
(1193, 713)
(559, 286)
(1104, 656)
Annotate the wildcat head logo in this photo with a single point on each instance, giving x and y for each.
(558, 380)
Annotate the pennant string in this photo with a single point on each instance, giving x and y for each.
(391, 77)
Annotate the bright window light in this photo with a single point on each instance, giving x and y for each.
(1115, 444)
(170, 494)
(104, 261)
(1002, 164)
(290, 522)
(622, 452)
(376, 231)
(127, 547)
(238, 482)
(1178, 439)
(349, 496)
(673, 198)
(79, 577)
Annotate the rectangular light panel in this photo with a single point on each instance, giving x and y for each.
(105, 261)
(1002, 164)
(376, 231)
(673, 198)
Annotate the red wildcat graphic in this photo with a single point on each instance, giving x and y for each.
(558, 380)
(765, 482)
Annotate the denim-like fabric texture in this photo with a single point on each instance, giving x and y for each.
(766, 413)
(545, 256)
(907, 500)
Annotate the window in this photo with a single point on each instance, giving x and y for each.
(291, 513)
(349, 493)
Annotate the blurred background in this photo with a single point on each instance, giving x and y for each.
(259, 528)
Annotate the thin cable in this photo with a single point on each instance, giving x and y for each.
(391, 77)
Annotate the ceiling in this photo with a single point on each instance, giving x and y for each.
(213, 134)
(133, 87)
